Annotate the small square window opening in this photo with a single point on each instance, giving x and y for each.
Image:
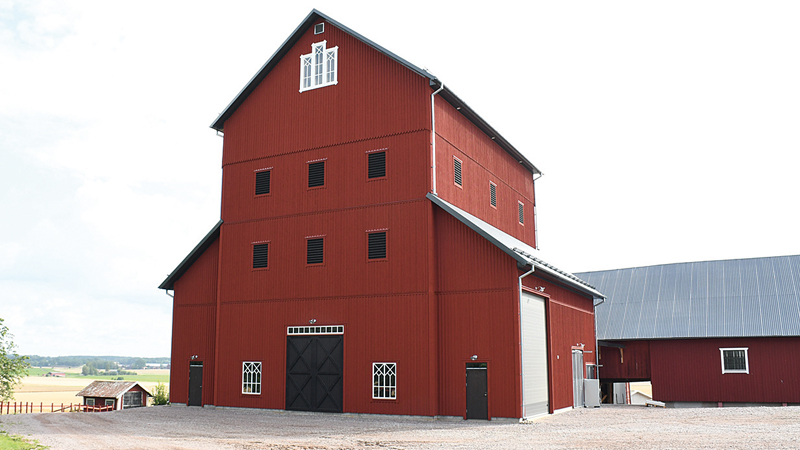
(319, 28)
(735, 360)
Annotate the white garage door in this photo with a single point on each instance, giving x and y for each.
(534, 356)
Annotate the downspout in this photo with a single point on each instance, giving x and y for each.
(596, 346)
(433, 140)
(522, 353)
(167, 292)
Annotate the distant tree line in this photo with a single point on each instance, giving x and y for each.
(99, 362)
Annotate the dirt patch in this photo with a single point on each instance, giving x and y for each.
(611, 427)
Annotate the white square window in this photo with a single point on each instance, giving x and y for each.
(384, 381)
(735, 360)
(109, 402)
(90, 401)
(319, 68)
(251, 377)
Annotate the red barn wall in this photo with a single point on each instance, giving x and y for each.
(375, 96)
(478, 315)
(690, 370)
(631, 363)
(193, 325)
(482, 161)
(570, 321)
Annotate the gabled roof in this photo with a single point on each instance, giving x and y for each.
(523, 253)
(169, 283)
(315, 16)
(729, 298)
(108, 389)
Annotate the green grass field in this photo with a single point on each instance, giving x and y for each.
(144, 377)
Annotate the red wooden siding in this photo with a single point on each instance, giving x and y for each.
(376, 330)
(345, 272)
(690, 370)
(631, 363)
(193, 325)
(482, 161)
(375, 96)
(570, 321)
(346, 183)
(478, 311)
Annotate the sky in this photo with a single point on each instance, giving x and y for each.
(666, 132)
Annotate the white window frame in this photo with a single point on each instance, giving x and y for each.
(109, 402)
(89, 402)
(384, 381)
(251, 377)
(746, 360)
(319, 68)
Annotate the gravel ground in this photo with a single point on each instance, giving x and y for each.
(609, 427)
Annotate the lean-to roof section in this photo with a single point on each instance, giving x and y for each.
(314, 17)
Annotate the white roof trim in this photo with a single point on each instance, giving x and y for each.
(523, 253)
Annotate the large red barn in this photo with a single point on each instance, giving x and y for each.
(377, 246)
(708, 333)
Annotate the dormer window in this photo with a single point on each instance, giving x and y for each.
(318, 68)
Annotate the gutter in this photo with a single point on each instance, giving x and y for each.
(433, 139)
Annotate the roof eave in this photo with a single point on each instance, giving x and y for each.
(169, 282)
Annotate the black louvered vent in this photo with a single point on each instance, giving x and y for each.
(262, 182)
(316, 174)
(377, 165)
(521, 213)
(377, 245)
(493, 194)
(315, 251)
(457, 171)
(260, 255)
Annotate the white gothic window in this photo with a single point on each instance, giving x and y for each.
(251, 377)
(318, 68)
(384, 380)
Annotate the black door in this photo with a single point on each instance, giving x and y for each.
(477, 394)
(314, 373)
(195, 384)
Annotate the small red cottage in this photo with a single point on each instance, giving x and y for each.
(116, 394)
(377, 248)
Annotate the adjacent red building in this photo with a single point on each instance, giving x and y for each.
(709, 333)
(377, 247)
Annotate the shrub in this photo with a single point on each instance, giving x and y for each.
(161, 395)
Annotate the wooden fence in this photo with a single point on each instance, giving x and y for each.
(29, 407)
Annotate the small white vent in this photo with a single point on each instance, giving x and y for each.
(319, 28)
(322, 329)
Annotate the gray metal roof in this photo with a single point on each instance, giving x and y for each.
(313, 17)
(730, 298)
(523, 253)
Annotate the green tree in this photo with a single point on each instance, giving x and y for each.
(89, 369)
(161, 394)
(139, 363)
(12, 366)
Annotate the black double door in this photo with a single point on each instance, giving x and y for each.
(314, 373)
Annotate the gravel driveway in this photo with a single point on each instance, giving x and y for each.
(609, 427)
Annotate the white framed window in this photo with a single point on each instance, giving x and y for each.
(109, 402)
(384, 381)
(90, 402)
(251, 377)
(734, 360)
(319, 68)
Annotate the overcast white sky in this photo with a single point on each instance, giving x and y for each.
(667, 132)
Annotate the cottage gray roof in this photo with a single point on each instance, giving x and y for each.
(524, 254)
(731, 298)
(314, 17)
(107, 389)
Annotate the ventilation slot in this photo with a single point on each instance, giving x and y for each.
(377, 165)
(315, 251)
(260, 256)
(262, 182)
(377, 245)
(316, 174)
(521, 213)
(457, 171)
(493, 194)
